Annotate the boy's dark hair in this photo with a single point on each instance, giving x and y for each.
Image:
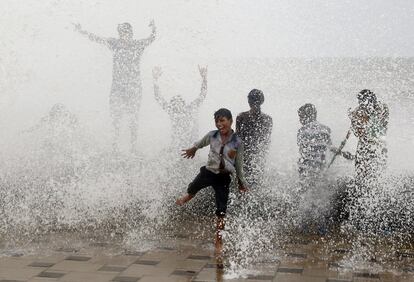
(223, 113)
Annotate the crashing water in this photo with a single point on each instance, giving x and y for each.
(67, 181)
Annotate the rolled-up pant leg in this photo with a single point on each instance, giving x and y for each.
(220, 184)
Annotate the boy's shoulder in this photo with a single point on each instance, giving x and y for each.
(213, 133)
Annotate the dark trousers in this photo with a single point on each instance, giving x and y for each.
(220, 183)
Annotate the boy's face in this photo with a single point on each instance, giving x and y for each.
(223, 124)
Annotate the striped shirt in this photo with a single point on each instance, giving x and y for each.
(313, 140)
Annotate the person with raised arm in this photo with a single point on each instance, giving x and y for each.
(126, 89)
(183, 116)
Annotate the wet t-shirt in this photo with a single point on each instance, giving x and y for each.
(313, 140)
(254, 130)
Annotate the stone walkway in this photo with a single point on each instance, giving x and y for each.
(184, 264)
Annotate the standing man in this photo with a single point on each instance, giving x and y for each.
(369, 123)
(254, 128)
(126, 90)
(314, 140)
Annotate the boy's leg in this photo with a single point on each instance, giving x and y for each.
(202, 180)
(221, 189)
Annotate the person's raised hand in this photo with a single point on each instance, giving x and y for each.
(189, 153)
(203, 71)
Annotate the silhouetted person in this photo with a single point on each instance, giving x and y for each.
(369, 124)
(58, 134)
(314, 140)
(182, 115)
(255, 129)
(126, 90)
(59, 119)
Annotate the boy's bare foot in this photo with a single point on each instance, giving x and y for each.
(181, 201)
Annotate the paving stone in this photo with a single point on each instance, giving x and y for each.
(9, 262)
(166, 248)
(99, 244)
(67, 250)
(290, 270)
(260, 277)
(210, 265)
(6, 280)
(118, 260)
(43, 279)
(194, 265)
(344, 275)
(78, 258)
(126, 279)
(337, 280)
(162, 255)
(288, 277)
(139, 270)
(79, 266)
(184, 272)
(366, 275)
(51, 274)
(21, 273)
(112, 268)
(41, 264)
(134, 253)
(88, 277)
(297, 255)
(165, 279)
(207, 274)
(196, 257)
(318, 271)
(147, 262)
(214, 266)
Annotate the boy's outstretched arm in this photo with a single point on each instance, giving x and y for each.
(156, 74)
(91, 36)
(147, 41)
(190, 153)
(203, 92)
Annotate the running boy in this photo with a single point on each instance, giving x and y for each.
(225, 158)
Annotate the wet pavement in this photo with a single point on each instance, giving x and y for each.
(191, 260)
